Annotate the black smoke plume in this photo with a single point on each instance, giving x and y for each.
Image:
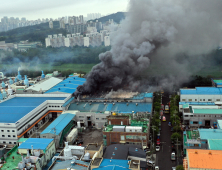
(157, 31)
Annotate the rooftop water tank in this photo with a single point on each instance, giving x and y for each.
(19, 76)
(11, 81)
(27, 158)
(21, 164)
(3, 84)
(28, 165)
(1, 96)
(10, 92)
(67, 150)
(26, 81)
(36, 152)
(4, 94)
(43, 75)
(86, 156)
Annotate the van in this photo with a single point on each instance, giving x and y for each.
(173, 156)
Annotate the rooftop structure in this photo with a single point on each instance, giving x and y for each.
(78, 165)
(219, 124)
(217, 82)
(204, 159)
(114, 164)
(68, 85)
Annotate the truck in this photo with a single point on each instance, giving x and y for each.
(71, 137)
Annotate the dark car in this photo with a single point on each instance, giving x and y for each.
(78, 142)
(171, 129)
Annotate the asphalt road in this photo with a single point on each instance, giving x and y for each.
(164, 155)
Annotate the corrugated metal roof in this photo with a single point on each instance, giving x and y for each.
(207, 111)
(14, 109)
(114, 164)
(219, 122)
(120, 107)
(38, 143)
(202, 90)
(68, 85)
(45, 85)
(215, 144)
(68, 101)
(59, 124)
(210, 134)
(204, 159)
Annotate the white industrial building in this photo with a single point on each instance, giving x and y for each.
(22, 114)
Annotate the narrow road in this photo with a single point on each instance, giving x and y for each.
(164, 155)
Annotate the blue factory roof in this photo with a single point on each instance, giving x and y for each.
(215, 144)
(14, 109)
(68, 101)
(59, 123)
(120, 107)
(196, 103)
(142, 96)
(115, 164)
(38, 143)
(202, 91)
(68, 85)
(210, 134)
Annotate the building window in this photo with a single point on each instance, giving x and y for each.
(81, 116)
(4, 142)
(13, 130)
(3, 135)
(195, 122)
(2, 130)
(97, 118)
(200, 99)
(9, 135)
(13, 136)
(185, 115)
(10, 142)
(209, 100)
(195, 99)
(183, 100)
(8, 130)
(14, 142)
(190, 100)
(203, 99)
(218, 99)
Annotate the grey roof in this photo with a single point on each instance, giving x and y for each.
(45, 84)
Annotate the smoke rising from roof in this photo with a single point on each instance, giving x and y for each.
(157, 31)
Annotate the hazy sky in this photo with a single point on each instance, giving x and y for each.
(34, 9)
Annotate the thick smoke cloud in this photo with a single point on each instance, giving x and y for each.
(158, 31)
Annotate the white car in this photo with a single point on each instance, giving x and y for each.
(157, 168)
(157, 148)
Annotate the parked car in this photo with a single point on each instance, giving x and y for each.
(164, 119)
(173, 156)
(171, 129)
(173, 168)
(169, 124)
(160, 117)
(150, 163)
(162, 107)
(156, 167)
(158, 141)
(158, 133)
(157, 148)
(166, 107)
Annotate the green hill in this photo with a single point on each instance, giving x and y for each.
(32, 33)
(117, 17)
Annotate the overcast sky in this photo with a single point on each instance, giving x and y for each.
(34, 9)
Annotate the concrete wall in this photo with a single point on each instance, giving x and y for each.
(115, 137)
(200, 98)
(97, 119)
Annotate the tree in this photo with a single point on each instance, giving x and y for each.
(179, 167)
(176, 136)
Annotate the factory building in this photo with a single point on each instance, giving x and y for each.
(59, 128)
(94, 114)
(22, 114)
(32, 153)
(201, 115)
